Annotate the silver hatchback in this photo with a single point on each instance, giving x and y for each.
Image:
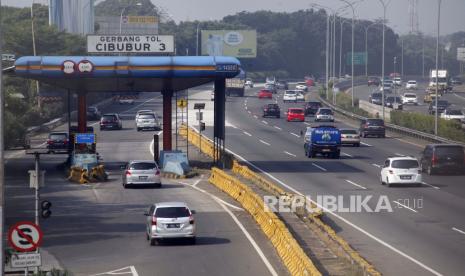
(141, 172)
(169, 220)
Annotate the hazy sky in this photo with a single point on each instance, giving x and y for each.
(452, 11)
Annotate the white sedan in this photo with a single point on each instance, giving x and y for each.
(411, 84)
(401, 170)
(453, 114)
(300, 97)
(290, 96)
(410, 98)
(301, 86)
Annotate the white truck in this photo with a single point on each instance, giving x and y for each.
(236, 85)
(442, 80)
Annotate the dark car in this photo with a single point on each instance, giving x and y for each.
(394, 102)
(282, 84)
(312, 107)
(442, 105)
(93, 113)
(57, 141)
(111, 121)
(376, 98)
(374, 127)
(271, 110)
(271, 87)
(373, 81)
(443, 158)
(456, 81)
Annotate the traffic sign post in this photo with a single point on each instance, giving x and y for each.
(26, 260)
(25, 236)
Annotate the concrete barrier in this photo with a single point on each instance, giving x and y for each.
(375, 110)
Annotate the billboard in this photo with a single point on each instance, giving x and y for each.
(139, 19)
(142, 44)
(236, 43)
(461, 54)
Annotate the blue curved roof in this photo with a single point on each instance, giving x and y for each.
(123, 73)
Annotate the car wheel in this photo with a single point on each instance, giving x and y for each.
(279, 116)
(382, 182)
(383, 135)
(138, 129)
(147, 236)
(193, 240)
(357, 145)
(153, 242)
(387, 182)
(157, 185)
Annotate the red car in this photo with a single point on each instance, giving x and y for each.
(265, 94)
(295, 114)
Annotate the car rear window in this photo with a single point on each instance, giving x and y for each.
(450, 151)
(454, 112)
(146, 116)
(410, 95)
(375, 122)
(326, 111)
(272, 106)
(349, 131)
(443, 102)
(172, 212)
(109, 118)
(412, 82)
(405, 164)
(58, 136)
(314, 104)
(376, 95)
(265, 91)
(296, 111)
(290, 92)
(142, 166)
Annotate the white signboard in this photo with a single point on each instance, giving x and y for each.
(26, 260)
(8, 57)
(143, 44)
(461, 54)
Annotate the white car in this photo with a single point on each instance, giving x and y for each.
(169, 220)
(410, 98)
(290, 96)
(397, 81)
(324, 114)
(143, 111)
(411, 84)
(249, 83)
(300, 97)
(147, 121)
(301, 86)
(350, 136)
(401, 170)
(141, 172)
(126, 100)
(453, 114)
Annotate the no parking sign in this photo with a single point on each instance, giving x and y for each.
(25, 236)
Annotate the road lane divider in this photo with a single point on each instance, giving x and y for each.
(263, 142)
(458, 230)
(319, 167)
(355, 184)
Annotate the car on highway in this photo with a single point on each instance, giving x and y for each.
(111, 121)
(376, 98)
(411, 84)
(442, 105)
(397, 81)
(401, 170)
(299, 96)
(249, 83)
(373, 81)
(430, 97)
(57, 142)
(281, 84)
(394, 102)
(170, 220)
(270, 80)
(443, 158)
(301, 86)
(324, 114)
(126, 100)
(141, 172)
(456, 81)
(295, 114)
(453, 114)
(386, 87)
(290, 96)
(350, 136)
(93, 113)
(265, 93)
(312, 107)
(388, 82)
(372, 127)
(147, 121)
(271, 110)
(271, 87)
(410, 98)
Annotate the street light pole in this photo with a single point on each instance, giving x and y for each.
(121, 15)
(340, 47)
(197, 40)
(2, 161)
(382, 58)
(327, 55)
(402, 59)
(353, 28)
(436, 113)
(34, 51)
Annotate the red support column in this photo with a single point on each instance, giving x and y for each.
(167, 111)
(82, 112)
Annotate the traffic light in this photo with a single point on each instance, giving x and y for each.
(202, 126)
(45, 209)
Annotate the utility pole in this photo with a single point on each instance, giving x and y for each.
(2, 161)
(382, 58)
(34, 50)
(436, 113)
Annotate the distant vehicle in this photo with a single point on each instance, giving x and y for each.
(376, 98)
(271, 87)
(324, 140)
(270, 80)
(373, 81)
(236, 85)
(442, 105)
(397, 81)
(141, 172)
(290, 96)
(299, 96)
(111, 121)
(443, 158)
(411, 84)
(295, 114)
(394, 102)
(394, 75)
(409, 98)
(139, 112)
(249, 83)
(389, 82)
(401, 170)
(301, 86)
(170, 220)
(265, 93)
(147, 121)
(442, 76)
(57, 142)
(387, 87)
(456, 81)
(453, 114)
(324, 114)
(126, 100)
(309, 81)
(281, 84)
(372, 127)
(93, 113)
(350, 136)
(272, 110)
(430, 96)
(312, 107)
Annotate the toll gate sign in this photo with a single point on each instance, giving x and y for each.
(143, 44)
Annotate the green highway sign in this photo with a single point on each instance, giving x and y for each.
(359, 58)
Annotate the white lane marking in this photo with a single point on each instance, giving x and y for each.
(134, 271)
(296, 135)
(319, 167)
(308, 124)
(291, 154)
(278, 128)
(231, 125)
(365, 144)
(346, 154)
(458, 230)
(250, 112)
(459, 96)
(246, 133)
(245, 107)
(355, 184)
(376, 165)
(255, 116)
(263, 142)
(265, 122)
(405, 206)
(341, 218)
(399, 154)
(122, 271)
(435, 187)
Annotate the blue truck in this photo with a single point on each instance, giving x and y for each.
(324, 140)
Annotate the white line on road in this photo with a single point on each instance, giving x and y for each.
(246, 133)
(245, 107)
(249, 112)
(255, 116)
(458, 230)
(346, 154)
(376, 165)
(278, 128)
(399, 154)
(296, 135)
(435, 187)
(291, 154)
(405, 206)
(459, 96)
(265, 122)
(365, 144)
(134, 271)
(263, 142)
(308, 124)
(319, 167)
(355, 184)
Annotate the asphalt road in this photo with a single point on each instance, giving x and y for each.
(99, 228)
(425, 233)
